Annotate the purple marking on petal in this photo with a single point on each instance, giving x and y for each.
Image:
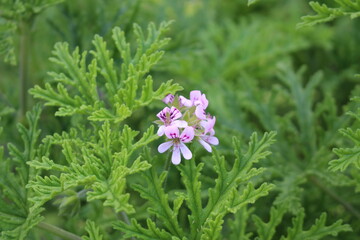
(176, 157)
(162, 114)
(187, 134)
(172, 132)
(195, 95)
(168, 99)
(185, 151)
(164, 146)
(175, 113)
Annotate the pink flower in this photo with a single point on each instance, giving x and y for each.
(196, 99)
(178, 143)
(168, 117)
(208, 124)
(207, 137)
(168, 99)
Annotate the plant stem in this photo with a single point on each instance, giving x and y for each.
(332, 194)
(125, 217)
(58, 231)
(167, 169)
(24, 27)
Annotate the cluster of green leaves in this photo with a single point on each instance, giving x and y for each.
(12, 14)
(349, 157)
(18, 214)
(97, 159)
(262, 85)
(99, 170)
(325, 14)
(232, 190)
(87, 94)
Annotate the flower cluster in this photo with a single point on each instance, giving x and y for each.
(185, 120)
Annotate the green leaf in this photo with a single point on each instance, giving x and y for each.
(190, 176)
(250, 2)
(7, 34)
(267, 230)
(136, 230)
(106, 69)
(238, 225)
(148, 95)
(248, 195)
(347, 156)
(22, 230)
(227, 182)
(155, 194)
(317, 231)
(93, 231)
(213, 229)
(325, 14)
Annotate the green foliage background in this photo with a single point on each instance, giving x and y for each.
(279, 76)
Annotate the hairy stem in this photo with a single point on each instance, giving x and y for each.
(58, 231)
(336, 197)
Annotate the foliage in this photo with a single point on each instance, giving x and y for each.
(325, 14)
(11, 16)
(93, 171)
(348, 157)
(18, 214)
(225, 197)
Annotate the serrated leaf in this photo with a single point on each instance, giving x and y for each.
(154, 193)
(136, 230)
(267, 230)
(317, 231)
(248, 195)
(93, 231)
(325, 14)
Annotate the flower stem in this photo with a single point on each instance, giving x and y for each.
(58, 231)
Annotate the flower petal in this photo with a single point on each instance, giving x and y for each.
(161, 130)
(164, 146)
(176, 157)
(210, 139)
(213, 140)
(185, 151)
(172, 132)
(180, 123)
(187, 134)
(200, 113)
(195, 95)
(168, 99)
(162, 114)
(174, 113)
(208, 124)
(205, 145)
(204, 101)
(185, 102)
